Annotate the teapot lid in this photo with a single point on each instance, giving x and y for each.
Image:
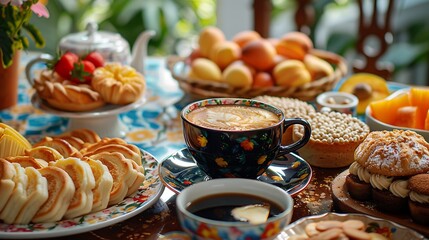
(91, 38)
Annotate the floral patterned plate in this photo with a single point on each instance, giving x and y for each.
(145, 197)
(179, 171)
(384, 227)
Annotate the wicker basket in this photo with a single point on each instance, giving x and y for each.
(199, 89)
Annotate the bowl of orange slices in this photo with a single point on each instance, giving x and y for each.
(406, 109)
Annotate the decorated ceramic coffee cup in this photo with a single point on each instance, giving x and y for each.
(234, 209)
(234, 137)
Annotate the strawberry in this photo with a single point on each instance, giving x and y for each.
(65, 64)
(82, 72)
(96, 58)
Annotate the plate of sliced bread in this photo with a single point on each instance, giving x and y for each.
(73, 183)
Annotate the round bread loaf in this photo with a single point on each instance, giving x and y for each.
(334, 138)
(65, 95)
(291, 107)
(118, 84)
(394, 153)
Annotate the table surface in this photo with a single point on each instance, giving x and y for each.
(156, 128)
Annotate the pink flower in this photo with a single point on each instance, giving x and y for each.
(40, 10)
(37, 8)
(15, 3)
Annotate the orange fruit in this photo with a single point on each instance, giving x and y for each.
(294, 45)
(259, 54)
(419, 97)
(406, 117)
(367, 87)
(262, 79)
(244, 37)
(427, 121)
(385, 110)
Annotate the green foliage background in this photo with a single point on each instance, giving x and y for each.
(173, 20)
(178, 22)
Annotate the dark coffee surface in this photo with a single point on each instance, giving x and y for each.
(219, 206)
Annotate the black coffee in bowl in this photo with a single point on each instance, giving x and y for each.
(234, 207)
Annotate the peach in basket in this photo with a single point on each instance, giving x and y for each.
(404, 109)
(249, 66)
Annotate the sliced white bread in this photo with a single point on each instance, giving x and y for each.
(84, 182)
(139, 179)
(37, 193)
(27, 161)
(62, 146)
(122, 172)
(7, 184)
(105, 141)
(60, 193)
(44, 152)
(123, 149)
(74, 141)
(103, 184)
(86, 135)
(18, 198)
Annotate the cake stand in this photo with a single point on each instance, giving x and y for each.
(104, 120)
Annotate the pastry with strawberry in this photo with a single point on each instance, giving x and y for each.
(67, 84)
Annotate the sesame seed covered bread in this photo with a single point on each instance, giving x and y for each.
(334, 138)
(291, 107)
(394, 153)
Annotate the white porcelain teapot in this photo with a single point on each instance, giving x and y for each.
(112, 46)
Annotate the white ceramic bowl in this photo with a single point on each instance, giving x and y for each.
(376, 125)
(324, 104)
(203, 228)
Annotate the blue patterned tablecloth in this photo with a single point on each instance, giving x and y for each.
(155, 127)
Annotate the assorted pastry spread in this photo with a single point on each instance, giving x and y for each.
(76, 173)
(83, 84)
(65, 176)
(391, 169)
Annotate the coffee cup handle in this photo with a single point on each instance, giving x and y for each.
(300, 143)
(44, 58)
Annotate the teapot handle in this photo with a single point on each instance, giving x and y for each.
(139, 51)
(28, 68)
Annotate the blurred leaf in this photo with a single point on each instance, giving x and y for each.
(340, 43)
(419, 32)
(404, 54)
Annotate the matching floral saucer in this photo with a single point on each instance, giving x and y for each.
(179, 171)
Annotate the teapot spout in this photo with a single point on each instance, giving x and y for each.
(139, 51)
